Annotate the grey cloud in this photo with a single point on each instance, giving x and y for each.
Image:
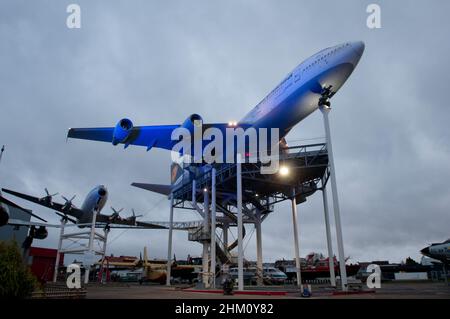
(158, 62)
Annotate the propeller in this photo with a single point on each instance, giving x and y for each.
(68, 203)
(48, 197)
(116, 211)
(134, 215)
(48, 194)
(116, 214)
(1, 152)
(66, 217)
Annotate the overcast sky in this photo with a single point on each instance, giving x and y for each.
(157, 62)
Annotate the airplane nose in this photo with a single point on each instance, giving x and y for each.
(425, 251)
(358, 47)
(102, 191)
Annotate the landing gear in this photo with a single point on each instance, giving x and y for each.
(326, 93)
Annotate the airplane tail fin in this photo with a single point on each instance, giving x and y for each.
(156, 188)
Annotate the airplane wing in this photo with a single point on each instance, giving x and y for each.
(120, 222)
(12, 204)
(19, 222)
(186, 225)
(72, 211)
(138, 225)
(158, 136)
(149, 136)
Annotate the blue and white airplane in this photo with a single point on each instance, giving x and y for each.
(302, 91)
(94, 202)
(438, 251)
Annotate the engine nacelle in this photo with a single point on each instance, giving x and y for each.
(41, 233)
(189, 122)
(4, 215)
(122, 131)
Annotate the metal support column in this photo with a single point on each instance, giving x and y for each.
(205, 231)
(337, 216)
(296, 246)
(328, 233)
(259, 258)
(194, 193)
(169, 247)
(225, 236)
(445, 274)
(58, 253)
(240, 224)
(106, 232)
(213, 227)
(91, 251)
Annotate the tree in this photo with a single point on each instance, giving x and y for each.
(16, 279)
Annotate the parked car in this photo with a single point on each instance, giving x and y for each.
(271, 275)
(274, 275)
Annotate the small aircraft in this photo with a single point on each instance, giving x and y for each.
(438, 251)
(94, 202)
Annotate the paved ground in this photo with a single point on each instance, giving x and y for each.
(157, 292)
(407, 290)
(387, 290)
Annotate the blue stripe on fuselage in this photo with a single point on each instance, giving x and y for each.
(303, 101)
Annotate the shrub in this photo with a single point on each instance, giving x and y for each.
(16, 279)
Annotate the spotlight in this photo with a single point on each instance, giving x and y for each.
(284, 171)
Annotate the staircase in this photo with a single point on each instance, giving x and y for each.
(200, 235)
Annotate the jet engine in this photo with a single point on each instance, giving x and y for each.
(41, 233)
(122, 131)
(189, 122)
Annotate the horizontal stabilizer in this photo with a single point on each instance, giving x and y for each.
(156, 188)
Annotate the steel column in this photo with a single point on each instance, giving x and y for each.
(169, 247)
(91, 246)
(337, 216)
(328, 233)
(213, 227)
(58, 253)
(240, 224)
(296, 245)
(225, 236)
(259, 258)
(206, 244)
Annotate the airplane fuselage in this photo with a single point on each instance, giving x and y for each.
(439, 251)
(94, 202)
(298, 94)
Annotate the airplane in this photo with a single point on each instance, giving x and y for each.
(94, 202)
(438, 251)
(309, 86)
